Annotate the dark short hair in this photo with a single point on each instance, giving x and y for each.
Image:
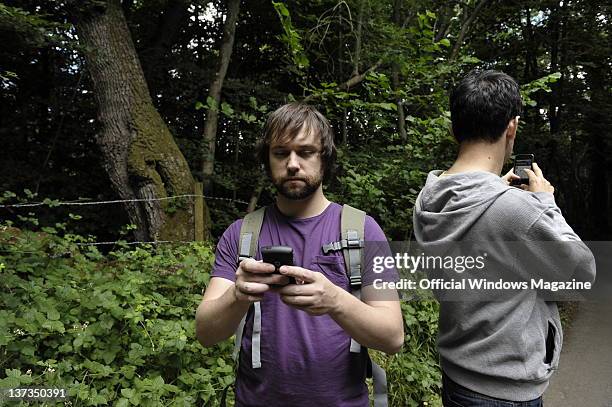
(286, 122)
(482, 105)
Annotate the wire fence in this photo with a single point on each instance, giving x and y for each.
(87, 202)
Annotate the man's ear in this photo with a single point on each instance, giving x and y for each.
(512, 127)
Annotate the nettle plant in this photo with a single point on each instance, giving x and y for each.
(112, 329)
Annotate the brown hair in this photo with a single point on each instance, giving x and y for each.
(286, 123)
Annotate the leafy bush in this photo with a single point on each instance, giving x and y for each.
(413, 375)
(119, 328)
(115, 329)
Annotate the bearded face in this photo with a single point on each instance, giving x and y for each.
(296, 168)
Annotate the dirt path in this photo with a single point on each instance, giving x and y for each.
(584, 378)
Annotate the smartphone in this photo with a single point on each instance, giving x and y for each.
(278, 256)
(521, 163)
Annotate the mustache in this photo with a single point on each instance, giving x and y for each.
(294, 179)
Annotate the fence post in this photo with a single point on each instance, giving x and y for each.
(198, 212)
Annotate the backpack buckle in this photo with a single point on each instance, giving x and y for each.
(332, 247)
(352, 240)
(355, 280)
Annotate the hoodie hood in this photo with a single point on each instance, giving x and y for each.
(448, 206)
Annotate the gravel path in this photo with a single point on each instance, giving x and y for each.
(584, 378)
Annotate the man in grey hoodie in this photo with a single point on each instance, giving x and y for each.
(502, 352)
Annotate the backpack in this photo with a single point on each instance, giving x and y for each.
(352, 223)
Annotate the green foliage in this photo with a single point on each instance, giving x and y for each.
(291, 38)
(386, 184)
(33, 28)
(542, 83)
(414, 374)
(115, 329)
(119, 328)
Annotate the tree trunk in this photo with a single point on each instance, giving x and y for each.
(210, 130)
(344, 132)
(555, 95)
(358, 38)
(395, 77)
(531, 61)
(444, 20)
(465, 28)
(138, 151)
(255, 197)
(597, 124)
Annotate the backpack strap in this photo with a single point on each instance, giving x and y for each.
(379, 381)
(249, 236)
(352, 226)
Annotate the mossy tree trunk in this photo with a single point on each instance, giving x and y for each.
(138, 150)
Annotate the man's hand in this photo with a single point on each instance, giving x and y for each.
(537, 182)
(314, 293)
(253, 279)
(510, 176)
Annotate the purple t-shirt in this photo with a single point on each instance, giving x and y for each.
(305, 360)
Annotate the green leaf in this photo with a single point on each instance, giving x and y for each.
(27, 349)
(53, 315)
(227, 109)
(388, 106)
(281, 8)
(12, 373)
(211, 103)
(129, 393)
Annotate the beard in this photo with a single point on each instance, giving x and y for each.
(306, 186)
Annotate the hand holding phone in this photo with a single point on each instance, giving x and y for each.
(522, 162)
(278, 256)
(537, 182)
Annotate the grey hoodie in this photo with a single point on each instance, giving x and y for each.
(499, 348)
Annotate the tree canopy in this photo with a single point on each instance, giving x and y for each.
(379, 70)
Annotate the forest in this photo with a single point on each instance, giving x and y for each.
(117, 117)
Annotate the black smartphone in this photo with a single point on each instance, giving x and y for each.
(278, 256)
(521, 163)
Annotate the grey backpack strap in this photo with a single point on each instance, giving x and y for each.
(249, 234)
(247, 248)
(352, 226)
(379, 380)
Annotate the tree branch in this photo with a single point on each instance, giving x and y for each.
(465, 28)
(355, 80)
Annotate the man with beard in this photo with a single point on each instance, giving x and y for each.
(302, 346)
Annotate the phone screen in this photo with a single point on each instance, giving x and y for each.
(521, 163)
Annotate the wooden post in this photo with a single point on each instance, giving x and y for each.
(198, 212)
